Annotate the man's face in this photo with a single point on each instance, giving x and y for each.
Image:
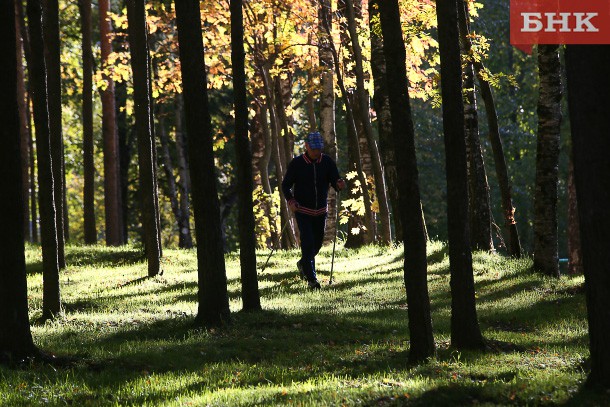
(313, 153)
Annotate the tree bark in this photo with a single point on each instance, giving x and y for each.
(33, 194)
(546, 259)
(403, 136)
(146, 145)
(90, 231)
(51, 302)
(514, 245)
(478, 187)
(327, 104)
(247, 240)
(381, 104)
(24, 130)
(212, 295)
(186, 241)
(465, 331)
(574, 244)
(363, 105)
(109, 131)
(53, 68)
(15, 336)
(126, 135)
(588, 89)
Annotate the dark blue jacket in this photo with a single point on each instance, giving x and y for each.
(307, 181)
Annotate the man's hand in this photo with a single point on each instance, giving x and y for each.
(340, 184)
(293, 205)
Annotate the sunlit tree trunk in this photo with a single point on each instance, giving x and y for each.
(146, 145)
(465, 331)
(15, 336)
(587, 68)
(32, 163)
(87, 111)
(212, 282)
(53, 69)
(478, 187)
(51, 302)
(547, 161)
(109, 132)
(403, 137)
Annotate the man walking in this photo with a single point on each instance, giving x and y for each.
(305, 187)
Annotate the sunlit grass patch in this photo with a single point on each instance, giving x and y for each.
(134, 340)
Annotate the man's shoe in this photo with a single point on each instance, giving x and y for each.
(314, 284)
(301, 273)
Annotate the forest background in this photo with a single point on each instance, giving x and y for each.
(285, 43)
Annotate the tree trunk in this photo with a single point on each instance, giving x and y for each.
(146, 145)
(33, 195)
(589, 106)
(53, 67)
(574, 246)
(363, 104)
(547, 161)
(514, 245)
(327, 104)
(213, 296)
(186, 240)
(465, 331)
(51, 303)
(247, 241)
(15, 336)
(109, 131)
(168, 169)
(88, 164)
(24, 130)
(478, 188)
(403, 136)
(126, 135)
(381, 104)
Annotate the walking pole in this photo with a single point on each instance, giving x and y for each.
(332, 263)
(273, 249)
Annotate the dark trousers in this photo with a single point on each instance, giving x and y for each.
(311, 229)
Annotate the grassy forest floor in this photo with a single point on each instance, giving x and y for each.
(133, 341)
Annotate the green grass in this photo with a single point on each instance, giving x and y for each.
(135, 344)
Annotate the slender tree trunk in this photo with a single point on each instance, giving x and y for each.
(465, 331)
(547, 161)
(109, 132)
(146, 145)
(88, 164)
(51, 302)
(24, 130)
(478, 188)
(247, 241)
(15, 336)
(186, 238)
(168, 169)
(363, 104)
(53, 67)
(327, 104)
(514, 245)
(589, 106)
(33, 195)
(381, 104)
(126, 135)
(403, 136)
(574, 245)
(213, 296)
